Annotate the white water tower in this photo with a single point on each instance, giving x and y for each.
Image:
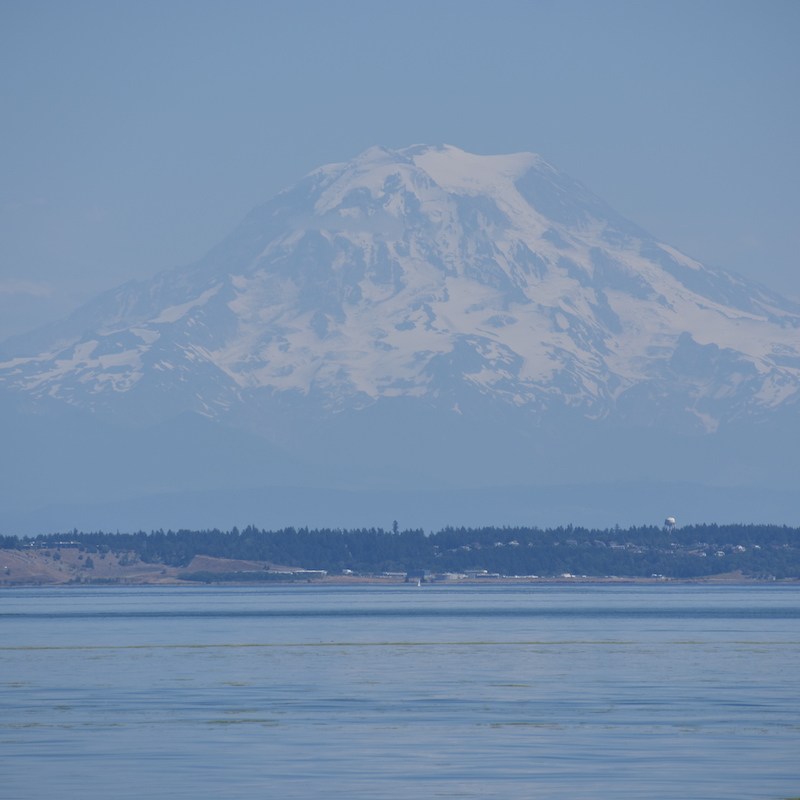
(670, 523)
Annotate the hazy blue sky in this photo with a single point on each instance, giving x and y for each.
(136, 134)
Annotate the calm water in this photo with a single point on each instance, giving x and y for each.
(487, 692)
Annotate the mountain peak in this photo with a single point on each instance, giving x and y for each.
(461, 172)
(423, 167)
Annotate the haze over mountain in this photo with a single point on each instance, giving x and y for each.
(423, 320)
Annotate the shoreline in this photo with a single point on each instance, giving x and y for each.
(70, 568)
(378, 581)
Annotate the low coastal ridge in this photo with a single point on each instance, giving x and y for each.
(250, 556)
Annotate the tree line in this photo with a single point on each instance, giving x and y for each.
(761, 551)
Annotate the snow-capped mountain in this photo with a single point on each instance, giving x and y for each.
(411, 324)
(430, 274)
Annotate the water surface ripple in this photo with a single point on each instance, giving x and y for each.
(385, 692)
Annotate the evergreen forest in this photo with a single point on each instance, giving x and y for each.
(693, 551)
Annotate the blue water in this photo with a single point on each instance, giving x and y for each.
(462, 692)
